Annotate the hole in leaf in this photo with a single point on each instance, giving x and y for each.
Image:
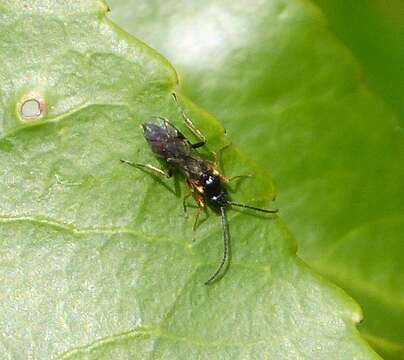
(33, 108)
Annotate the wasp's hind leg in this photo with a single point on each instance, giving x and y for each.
(190, 125)
(200, 201)
(197, 215)
(153, 169)
(201, 207)
(184, 201)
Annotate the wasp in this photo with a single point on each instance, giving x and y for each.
(204, 181)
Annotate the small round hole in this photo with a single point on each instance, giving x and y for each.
(31, 108)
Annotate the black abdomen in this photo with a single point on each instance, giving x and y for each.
(166, 141)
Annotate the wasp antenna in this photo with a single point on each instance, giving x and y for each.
(271, 211)
(225, 247)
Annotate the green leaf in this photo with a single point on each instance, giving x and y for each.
(98, 260)
(381, 55)
(297, 100)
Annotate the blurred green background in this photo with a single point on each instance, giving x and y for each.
(317, 88)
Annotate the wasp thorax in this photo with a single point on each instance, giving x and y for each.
(211, 183)
(214, 190)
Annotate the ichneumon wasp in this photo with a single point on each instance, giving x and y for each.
(203, 179)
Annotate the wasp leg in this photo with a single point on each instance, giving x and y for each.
(198, 144)
(190, 125)
(198, 213)
(184, 201)
(218, 155)
(201, 206)
(155, 170)
(231, 178)
(228, 179)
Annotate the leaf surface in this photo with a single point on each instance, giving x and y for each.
(98, 260)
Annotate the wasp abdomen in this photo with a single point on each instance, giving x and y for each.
(165, 140)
